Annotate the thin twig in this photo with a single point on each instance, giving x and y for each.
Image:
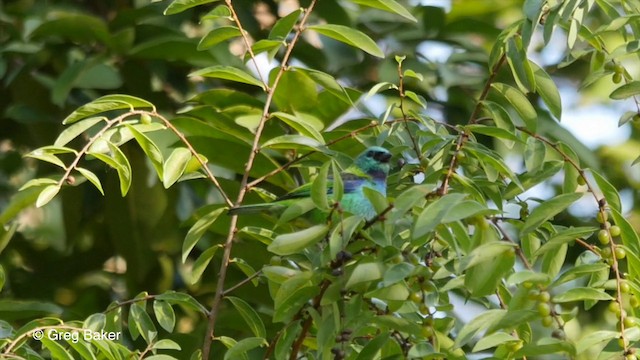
(453, 164)
(295, 348)
(222, 274)
(416, 148)
(247, 42)
(193, 151)
(244, 281)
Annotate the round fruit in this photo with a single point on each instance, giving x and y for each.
(275, 260)
(145, 119)
(581, 180)
(605, 252)
(629, 322)
(544, 309)
(620, 253)
(601, 217)
(416, 297)
(624, 287)
(634, 302)
(547, 321)
(515, 346)
(603, 237)
(544, 296)
(617, 77)
(614, 307)
(427, 331)
(615, 230)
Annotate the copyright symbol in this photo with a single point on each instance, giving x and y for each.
(38, 335)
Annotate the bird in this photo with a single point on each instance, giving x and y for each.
(369, 169)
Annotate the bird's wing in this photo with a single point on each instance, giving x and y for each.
(351, 180)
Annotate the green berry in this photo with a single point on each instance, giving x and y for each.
(416, 297)
(427, 331)
(544, 309)
(617, 77)
(145, 118)
(581, 180)
(601, 217)
(275, 260)
(634, 302)
(605, 252)
(614, 307)
(603, 237)
(615, 230)
(620, 253)
(624, 287)
(547, 321)
(544, 296)
(629, 322)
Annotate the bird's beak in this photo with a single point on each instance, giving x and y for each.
(383, 157)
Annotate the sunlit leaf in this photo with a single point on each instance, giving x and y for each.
(349, 36)
(178, 6)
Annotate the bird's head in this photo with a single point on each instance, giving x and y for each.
(374, 161)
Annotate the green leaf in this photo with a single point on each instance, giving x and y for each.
(528, 180)
(564, 236)
(249, 315)
(479, 323)
(141, 321)
(434, 213)
(579, 271)
(372, 349)
(486, 253)
(287, 244)
(378, 200)
(534, 154)
(175, 165)
(107, 103)
(95, 322)
(609, 191)
(58, 352)
(92, 178)
(293, 142)
(364, 272)
(182, 299)
(519, 64)
(123, 168)
(283, 26)
(165, 344)
(239, 350)
(546, 87)
(197, 230)
(165, 315)
(630, 240)
(547, 210)
(218, 35)
(220, 11)
(47, 195)
(149, 148)
(37, 183)
(178, 6)
(580, 294)
(201, 263)
(228, 73)
(520, 103)
(350, 37)
(319, 188)
(76, 129)
(493, 340)
(296, 91)
(626, 90)
(306, 125)
(389, 6)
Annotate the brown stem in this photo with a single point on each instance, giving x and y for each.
(416, 148)
(295, 348)
(453, 164)
(222, 274)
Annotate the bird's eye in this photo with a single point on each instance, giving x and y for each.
(370, 154)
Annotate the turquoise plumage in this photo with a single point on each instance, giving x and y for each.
(370, 169)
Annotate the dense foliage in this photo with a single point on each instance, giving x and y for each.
(129, 128)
